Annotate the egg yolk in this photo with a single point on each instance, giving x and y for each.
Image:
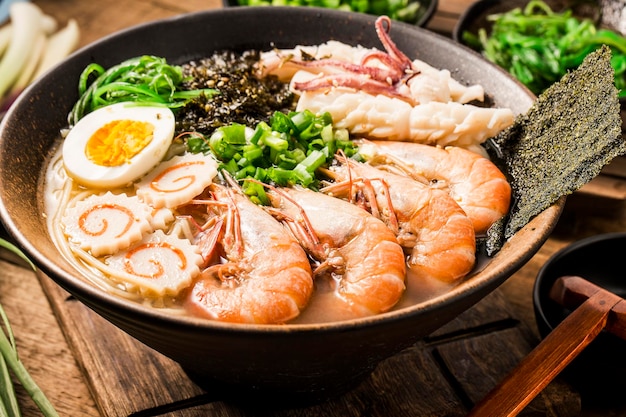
(118, 141)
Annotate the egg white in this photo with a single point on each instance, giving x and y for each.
(88, 173)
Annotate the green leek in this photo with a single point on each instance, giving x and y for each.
(10, 361)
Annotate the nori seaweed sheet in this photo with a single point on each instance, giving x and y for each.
(569, 134)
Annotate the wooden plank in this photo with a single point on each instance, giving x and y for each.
(487, 314)
(94, 23)
(41, 345)
(606, 186)
(116, 363)
(617, 167)
(442, 24)
(452, 7)
(556, 400)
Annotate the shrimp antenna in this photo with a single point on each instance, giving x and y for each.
(304, 219)
(369, 194)
(230, 180)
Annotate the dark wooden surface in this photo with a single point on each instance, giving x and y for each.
(89, 368)
(440, 376)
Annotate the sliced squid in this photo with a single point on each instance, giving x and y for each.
(336, 58)
(105, 224)
(388, 118)
(383, 94)
(284, 63)
(160, 265)
(177, 181)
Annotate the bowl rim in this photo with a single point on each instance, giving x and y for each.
(469, 288)
(421, 22)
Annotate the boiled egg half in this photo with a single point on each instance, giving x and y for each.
(117, 144)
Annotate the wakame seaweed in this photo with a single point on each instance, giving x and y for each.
(243, 98)
(569, 134)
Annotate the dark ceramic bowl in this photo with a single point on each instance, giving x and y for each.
(601, 368)
(425, 13)
(475, 16)
(299, 359)
(606, 14)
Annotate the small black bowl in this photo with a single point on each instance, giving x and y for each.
(425, 13)
(607, 14)
(475, 17)
(601, 368)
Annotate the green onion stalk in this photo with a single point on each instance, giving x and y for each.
(145, 79)
(539, 46)
(11, 363)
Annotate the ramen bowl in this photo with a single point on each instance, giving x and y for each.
(299, 359)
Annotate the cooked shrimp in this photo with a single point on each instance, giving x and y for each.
(266, 277)
(430, 225)
(358, 254)
(474, 182)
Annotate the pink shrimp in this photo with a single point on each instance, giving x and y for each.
(266, 276)
(358, 254)
(476, 183)
(430, 225)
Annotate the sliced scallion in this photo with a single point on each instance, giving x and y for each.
(10, 361)
(286, 151)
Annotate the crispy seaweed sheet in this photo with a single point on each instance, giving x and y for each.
(570, 133)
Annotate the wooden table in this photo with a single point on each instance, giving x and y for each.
(89, 368)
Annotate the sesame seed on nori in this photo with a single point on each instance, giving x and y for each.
(569, 134)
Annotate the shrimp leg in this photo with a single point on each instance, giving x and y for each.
(358, 254)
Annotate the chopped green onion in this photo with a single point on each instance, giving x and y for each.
(287, 151)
